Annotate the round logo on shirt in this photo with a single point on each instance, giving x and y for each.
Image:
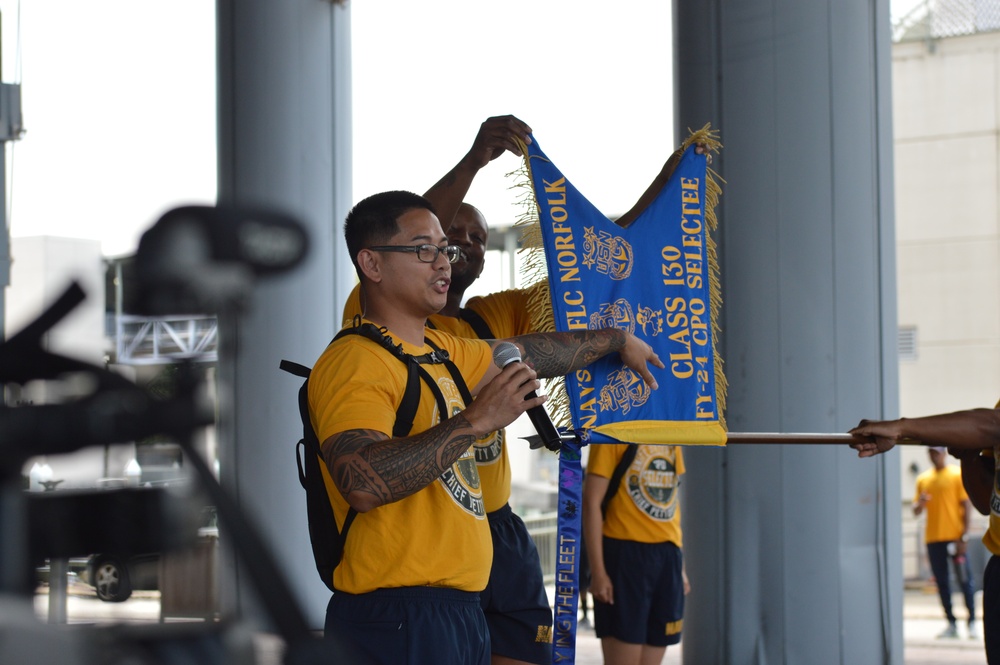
(652, 484)
(489, 448)
(461, 481)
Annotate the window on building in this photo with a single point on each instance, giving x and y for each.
(907, 341)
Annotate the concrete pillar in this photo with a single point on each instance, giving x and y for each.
(793, 551)
(284, 142)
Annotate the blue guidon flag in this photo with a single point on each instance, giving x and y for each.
(652, 272)
(656, 278)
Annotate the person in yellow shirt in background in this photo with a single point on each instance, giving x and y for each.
(942, 496)
(634, 546)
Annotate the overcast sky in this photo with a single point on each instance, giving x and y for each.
(119, 102)
(593, 80)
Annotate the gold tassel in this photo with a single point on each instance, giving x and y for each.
(534, 273)
(713, 190)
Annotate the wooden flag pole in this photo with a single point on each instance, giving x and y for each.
(774, 437)
(768, 437)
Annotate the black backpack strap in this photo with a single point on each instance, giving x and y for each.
(377, 335)
(453, 370)
(309, 458)
(411, 398)
(477, 322)
(616, 477)
(407, 409)
(294, 368)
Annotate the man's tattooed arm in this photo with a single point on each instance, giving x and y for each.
(555, 354)
(370, 470)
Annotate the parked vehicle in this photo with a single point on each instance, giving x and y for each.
(115, 577)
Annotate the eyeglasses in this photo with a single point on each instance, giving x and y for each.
(425, 253)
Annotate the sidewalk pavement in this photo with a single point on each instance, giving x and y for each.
(923, 619)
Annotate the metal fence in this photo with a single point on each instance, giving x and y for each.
(935, 19)
(542, 529)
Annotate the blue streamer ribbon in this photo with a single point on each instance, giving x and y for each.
(569, 543)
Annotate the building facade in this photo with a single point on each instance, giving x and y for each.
(946, 121)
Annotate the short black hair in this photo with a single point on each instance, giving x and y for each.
(373, 221)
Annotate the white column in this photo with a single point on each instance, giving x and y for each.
(793, 553)
(284, 142)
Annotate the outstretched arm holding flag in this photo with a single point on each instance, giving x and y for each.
(973, 436)
(973, 429)
(496, 135)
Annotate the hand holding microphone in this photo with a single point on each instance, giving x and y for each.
(506, 353)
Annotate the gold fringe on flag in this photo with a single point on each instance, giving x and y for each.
(534, 270)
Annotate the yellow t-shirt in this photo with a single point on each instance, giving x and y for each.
(438, 536)
(992, 536)
(506, 314)
(646, 508)
(945, 509)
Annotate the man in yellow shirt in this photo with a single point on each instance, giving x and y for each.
(942, 496)
(514, 601)
(419, 551)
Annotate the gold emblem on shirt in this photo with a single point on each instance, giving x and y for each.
(652, 485)
(489, 448)
(461, 481)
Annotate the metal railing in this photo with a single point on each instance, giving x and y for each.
(145, 340)
(936, 19)
(542, 529)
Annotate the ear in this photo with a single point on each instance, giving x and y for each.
(369, 263)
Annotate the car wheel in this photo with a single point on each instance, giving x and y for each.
(111, 580)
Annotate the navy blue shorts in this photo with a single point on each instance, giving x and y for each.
(649, 593)
(515, 603)
(413, 625)
(991, 610)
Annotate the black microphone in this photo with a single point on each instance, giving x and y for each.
(506, 353)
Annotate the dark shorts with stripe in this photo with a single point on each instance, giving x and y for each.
(991, 610)
(649, 593)
(515, 603)
(407, 625)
